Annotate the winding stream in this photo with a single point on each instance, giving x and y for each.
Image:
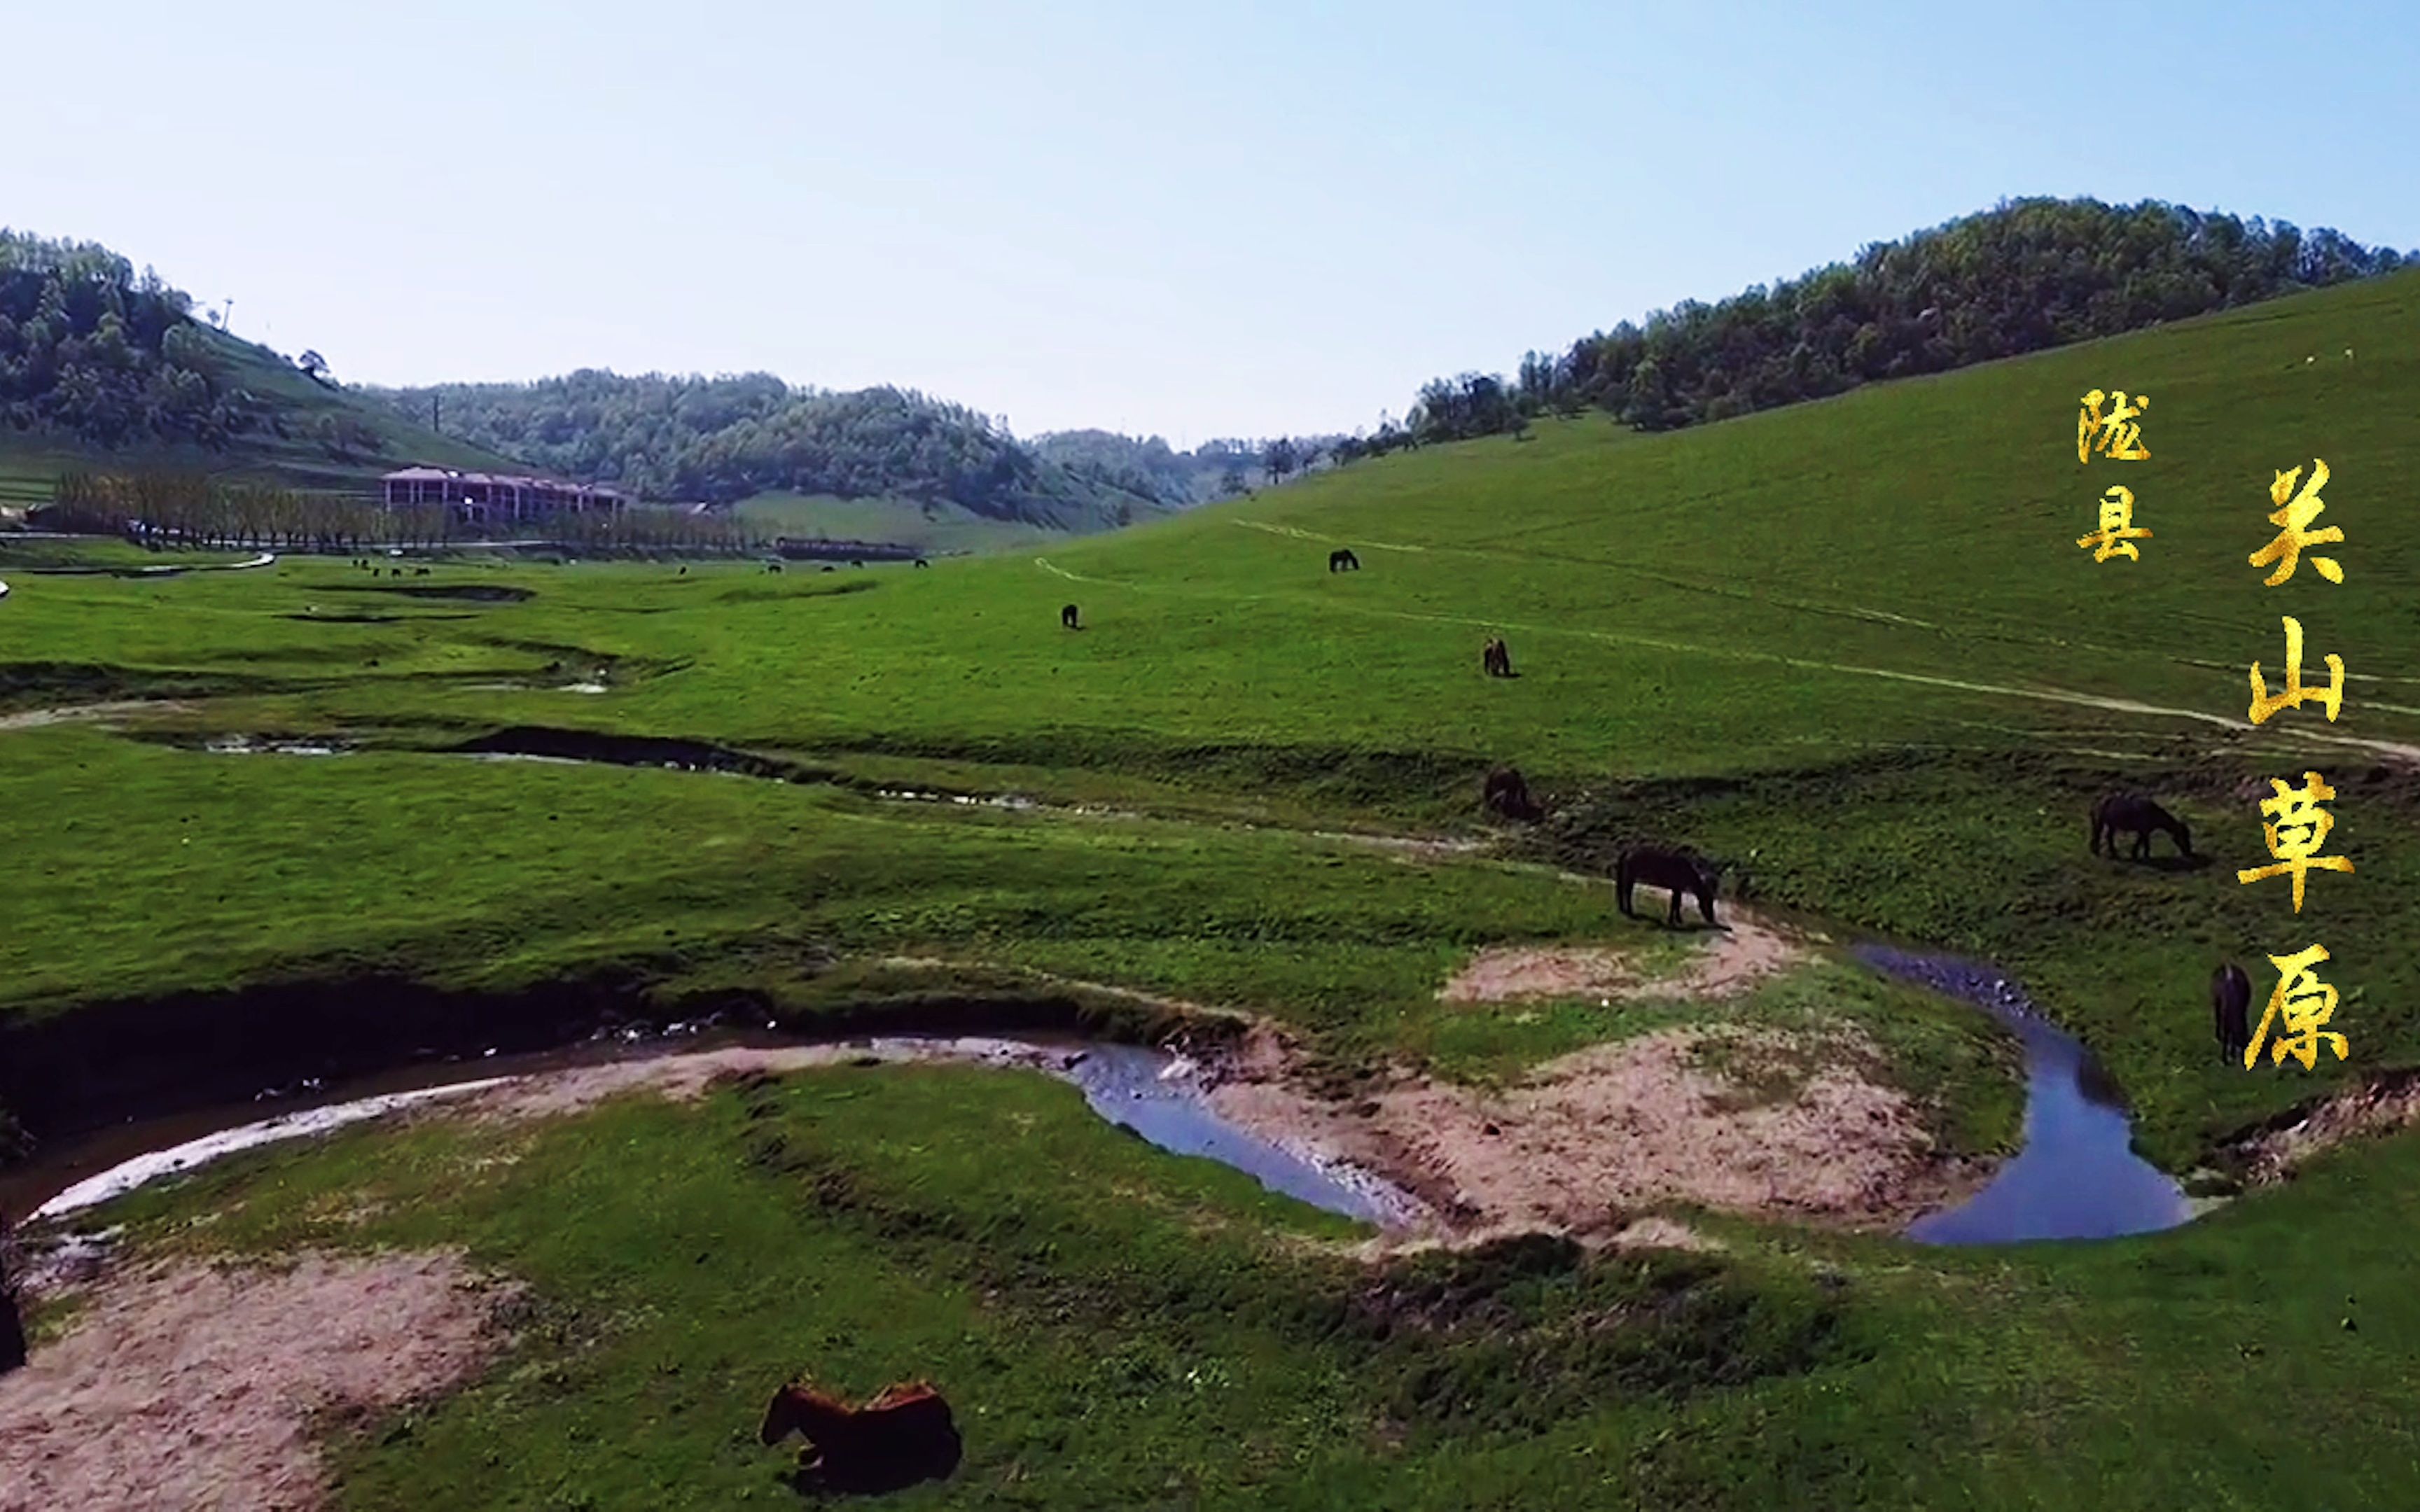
(2078, 1175)
(1151, 1093)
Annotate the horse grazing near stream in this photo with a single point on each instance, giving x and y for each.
(905, 1435)
(1675, 871)
(2230, 1009)
(1342, 560)
(2135, 814)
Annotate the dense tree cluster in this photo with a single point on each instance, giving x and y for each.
(1155, 470)
(88, 349)
(2028, 275)
(178, 509)
(719, 439)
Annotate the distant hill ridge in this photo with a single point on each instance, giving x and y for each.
(2028, 275)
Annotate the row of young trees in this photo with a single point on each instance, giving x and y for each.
(89, 349)
(191, 510)
(2025, 276)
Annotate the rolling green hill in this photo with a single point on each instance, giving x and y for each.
(686, 440)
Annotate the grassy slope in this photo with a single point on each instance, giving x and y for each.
(933, 527)
(30, 464)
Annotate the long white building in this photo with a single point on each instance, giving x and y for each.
(496, 498)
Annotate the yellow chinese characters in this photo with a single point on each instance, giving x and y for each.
(2297, 827)
(2333, 700)
(2116, 435)
(2305, 1003)
(2293, 518)
(2117, 532)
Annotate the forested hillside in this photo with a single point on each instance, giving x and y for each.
(2028, 275)
(102, 369)
(89, 351)
(721, 440)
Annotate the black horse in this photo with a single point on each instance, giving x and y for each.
(922, 562)
(1068, 618)
(1342, 560)
(2135, 814)
(2230, 1009)
(1676, 872)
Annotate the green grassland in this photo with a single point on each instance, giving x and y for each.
(1850, 646)
(933, 527)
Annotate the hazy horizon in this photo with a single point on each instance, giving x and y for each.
(1244, 223)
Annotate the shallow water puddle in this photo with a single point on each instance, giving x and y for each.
(2078, 1175)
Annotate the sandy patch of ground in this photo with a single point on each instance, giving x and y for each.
(186, 1385)
(35, 718)
(2380, 1107)
(1586, 1140)
(1746, 952)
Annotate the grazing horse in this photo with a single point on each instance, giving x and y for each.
(1675, 871)
(1507, 793)
(1068, 618)
(1342, 560)
(2230, 1006)
(922, 562)
(2135, 814)
(904, 1435)
(1496, 658)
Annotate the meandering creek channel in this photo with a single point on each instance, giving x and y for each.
(2076, 1176)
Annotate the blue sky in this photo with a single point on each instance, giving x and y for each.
(1237, 219)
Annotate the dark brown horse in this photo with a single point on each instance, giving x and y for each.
(2135, 814)
(1675, 871)
(1342, 560)
(1495, 658)
(1507, 793)
(1068, 618)
(2230, 1009)
(905, 1435)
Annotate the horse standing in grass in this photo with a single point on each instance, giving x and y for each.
(1342, 560)
(2135, 814)
(904, 1435)
(1675, 871)
(1067, 617)
(2230, 1009)
(1495, 658)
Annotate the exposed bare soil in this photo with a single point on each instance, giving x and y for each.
(185, 1385)
(2378, 1108)
(1746, 952)
(1585, 1141)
